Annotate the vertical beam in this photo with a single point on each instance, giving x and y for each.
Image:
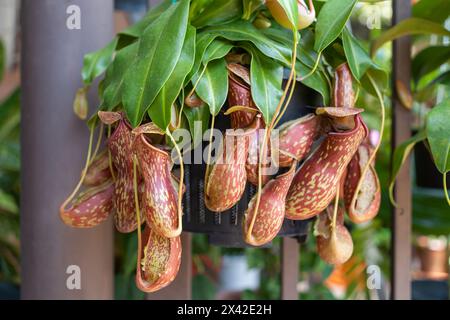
(401, 119)
(289, 268)
(181, 287)
(54, 144)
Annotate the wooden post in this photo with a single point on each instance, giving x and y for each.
(401, 119)
(54, 146)
(289, 268)
(181, 287)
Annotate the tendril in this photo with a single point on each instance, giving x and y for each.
(316, 64)
(335, 210)
(180, 185)
(209, 147)
(445, 187)
(83, 174)
(136, 204)
(375, 150)
(268, 130)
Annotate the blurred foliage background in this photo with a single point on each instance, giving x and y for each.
(317, 280)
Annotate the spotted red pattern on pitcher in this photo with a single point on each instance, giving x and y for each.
(120, 146)
(271, 210)
(334, 243)
(158, 262)
(296, 138)
(315, 183)
(226, 180)
(254, 152)
(368, 200)
(98, 171)
(91, 208)
(239, 94)
(160, 198)
(343, 94)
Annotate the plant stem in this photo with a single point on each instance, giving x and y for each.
(97, 146)
(444, 182)
(136, 204)
(196, 82)
(286, 105)
(375, 150)
(288, 83)
(268, 130)
(316, 64)
(180, 114)
(335, 210)
(181, 183)
(213, 117)
(83, 174)
(258, 194)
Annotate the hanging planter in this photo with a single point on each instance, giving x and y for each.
(225, 228)
(190, 66)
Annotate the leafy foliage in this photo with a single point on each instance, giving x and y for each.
(182, 47)
(161, 41)
(9, 188)
(409, 26)
(331, 21)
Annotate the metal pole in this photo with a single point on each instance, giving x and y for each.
(54, 144)
(181, 287)
(289, 268)
(401, 119)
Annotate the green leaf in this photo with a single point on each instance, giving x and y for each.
(95, 63)
(357, 57)
(443, 78)
(422, 204)
(133, 32)
(331, 20)
(307, 55)
(407, 27)
(245, 31)
(136, 30)
(9, 115)
(282, 36)
(212, 87)
(334, 54)
(8, 203)
(434, 10)
(401, 153)
(203, 288)
(438, 134)
(115, 75)
(218, 12)
(160, 110)
(429, 59)
(379, 75)
(250, 6)
(199, 115)
(202, 43)
(291, 10)
(219, 48)
(316, 81)
(266, 76)
(159, 50)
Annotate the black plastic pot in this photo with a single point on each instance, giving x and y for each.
(225, 228)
